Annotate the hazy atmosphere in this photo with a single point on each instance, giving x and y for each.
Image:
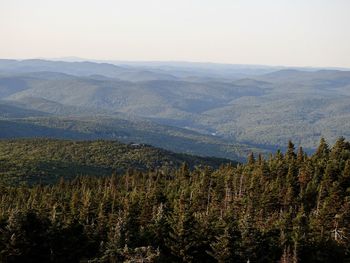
(283, 32)
(183, 131)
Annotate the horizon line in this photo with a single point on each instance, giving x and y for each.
(131, 61)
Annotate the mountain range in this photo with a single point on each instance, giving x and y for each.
(208, 109)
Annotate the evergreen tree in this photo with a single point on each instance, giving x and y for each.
(290, 154)
(322, 150)
(183, 240)
(251, 158)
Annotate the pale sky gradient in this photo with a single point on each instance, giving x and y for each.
(273, 32)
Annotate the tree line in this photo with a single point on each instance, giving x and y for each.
(288, 207)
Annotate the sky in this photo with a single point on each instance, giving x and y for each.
(269, 32)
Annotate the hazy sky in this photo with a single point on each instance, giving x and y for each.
(277, 32)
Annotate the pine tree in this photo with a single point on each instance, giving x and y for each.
(322, 150)
(251, 159)
(290, 154)
(337, 149)
(183, 237)
(300, 155)
(227, 246)
(292, 184)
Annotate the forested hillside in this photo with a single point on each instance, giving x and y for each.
(237, 104)
(289, 207)
(126, 130)
(45, 160)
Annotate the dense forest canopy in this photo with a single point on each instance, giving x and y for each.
(46, 160)
(288, 207)
(121, 129)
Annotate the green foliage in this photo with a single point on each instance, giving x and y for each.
(127, 131)
(265, 110)
(46, 160)
(283, 209)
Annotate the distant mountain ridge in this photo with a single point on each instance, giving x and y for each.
(267, 108)
(83, 68)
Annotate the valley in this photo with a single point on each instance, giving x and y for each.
(261, 110)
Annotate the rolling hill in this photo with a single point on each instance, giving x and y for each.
(125, 130)
(47, 160)
(264, 110)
